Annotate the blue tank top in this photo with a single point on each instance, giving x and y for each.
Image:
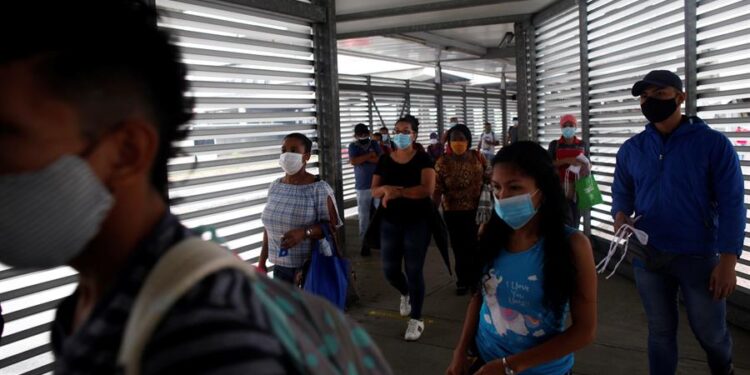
(513, 317)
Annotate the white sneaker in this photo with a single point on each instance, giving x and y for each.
(414, 330)
(405, 307)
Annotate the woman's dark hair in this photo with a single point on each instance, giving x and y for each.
(411, 120)
(559, 270)
(302, 138)
(461, 128)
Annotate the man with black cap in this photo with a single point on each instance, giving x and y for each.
(364, 155)
(683, 183)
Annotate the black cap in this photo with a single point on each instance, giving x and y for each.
(361, 129)
(658, 78)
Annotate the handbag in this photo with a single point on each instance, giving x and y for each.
(327, 276)
(588, 192)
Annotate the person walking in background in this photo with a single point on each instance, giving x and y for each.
(384, 146)
(487, 142)
(435, 149)
(565, 152)
(298, 205)
(460, 177)
(513, 132)
(364, 154)
(536, 271)
(683, 182)
(405, 181)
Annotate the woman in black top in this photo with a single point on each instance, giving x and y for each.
(405, 180)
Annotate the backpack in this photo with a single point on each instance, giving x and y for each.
(309, 324)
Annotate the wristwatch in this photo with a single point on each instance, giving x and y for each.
(308, 232)
(506, 366)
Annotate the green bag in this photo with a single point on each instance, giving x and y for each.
(588, 193)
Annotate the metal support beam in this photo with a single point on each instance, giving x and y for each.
(584, 65)
(504, 107)
(531, 44)
(297, 9)
(522, 81)
(435, 26)
(327, 99)
(691, 57)
(552, 10)
(486, 107)
(493, 53)
(465, 105)
(439, 41)
(369, 105)
(439, 99)
(421, 8)
(408, 96)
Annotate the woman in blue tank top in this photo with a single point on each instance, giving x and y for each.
(536, 272)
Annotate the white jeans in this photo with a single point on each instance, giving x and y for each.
(364, 202)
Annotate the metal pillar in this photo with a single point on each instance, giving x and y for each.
(486, 108)
(369, 104)
(504, 107)
(691, 57)
(584, 64)
(327, 100)
(522, 81)
(407, 98)
(466, 106)
(531, 45)
(439, 99)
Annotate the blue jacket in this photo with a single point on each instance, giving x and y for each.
(688, 188)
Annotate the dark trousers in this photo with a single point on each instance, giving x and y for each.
(286, 274)
(462, 228)
(406, 243)
(573, 218)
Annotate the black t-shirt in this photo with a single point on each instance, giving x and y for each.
(406, 175)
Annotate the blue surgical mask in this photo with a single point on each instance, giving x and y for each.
(402, 140)
(569, 132)
(516, 211)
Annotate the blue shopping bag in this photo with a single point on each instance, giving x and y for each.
(327, 275)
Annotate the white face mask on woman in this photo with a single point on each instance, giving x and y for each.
(291, 162)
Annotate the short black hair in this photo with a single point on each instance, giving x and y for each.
(302, 138)
(361, 129)
(411, 120)
(384, 128)
(107, 58)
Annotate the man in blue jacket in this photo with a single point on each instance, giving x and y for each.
(683, 179)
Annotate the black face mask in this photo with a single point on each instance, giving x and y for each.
(657, 110)
(364, 142)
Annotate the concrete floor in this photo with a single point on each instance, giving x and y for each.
(620, 347)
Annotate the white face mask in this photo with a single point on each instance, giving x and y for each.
(291, 162)
(433, 141)
(48, 217)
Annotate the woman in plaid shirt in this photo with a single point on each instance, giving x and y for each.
(298, 204)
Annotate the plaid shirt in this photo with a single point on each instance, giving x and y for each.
(291, 207)
(217, 327)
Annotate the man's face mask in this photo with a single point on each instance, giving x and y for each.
(658, 110)
(49, 216)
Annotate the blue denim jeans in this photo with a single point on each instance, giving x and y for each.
(406, 243)
(364, 204)
(658, 290)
